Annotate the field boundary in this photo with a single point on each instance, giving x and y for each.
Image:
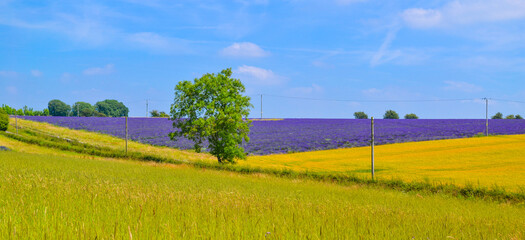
(467, 192)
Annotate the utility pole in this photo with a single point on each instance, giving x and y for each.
(126, 135)
(486, 116)
(261, 107)
(372, 146)
(78, 110)
(16, 123)
(147, 111)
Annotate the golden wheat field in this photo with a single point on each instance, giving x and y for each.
(485, 161)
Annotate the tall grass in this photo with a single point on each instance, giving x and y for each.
(53, 197)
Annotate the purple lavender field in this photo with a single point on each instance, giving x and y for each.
(299, 135)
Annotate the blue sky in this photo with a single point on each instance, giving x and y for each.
(360, 51)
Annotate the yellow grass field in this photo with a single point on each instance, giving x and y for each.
(484, 161)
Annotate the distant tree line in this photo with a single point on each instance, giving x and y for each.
(391, 114)
(499, 115)
(55, 107)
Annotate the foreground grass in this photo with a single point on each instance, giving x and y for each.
(53, 196)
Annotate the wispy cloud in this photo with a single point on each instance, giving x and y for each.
(8, 74)
(384, 54)
(244, 49)
(11, 90)
(462, 87)
(465, 12)
(301, 91)
(258, 76)
(99, 70)
(36, 73)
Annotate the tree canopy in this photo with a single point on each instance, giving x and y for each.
(213, 108)
(390, 114)
(4, 120)
(360, 115)
(57, 108)
(112, 108)
(83, 109)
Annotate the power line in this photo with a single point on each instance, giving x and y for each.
(364, 101)
(504, 100)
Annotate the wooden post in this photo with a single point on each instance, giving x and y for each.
(126, 135)
(486, 116)
(372, 146)
(16, 123)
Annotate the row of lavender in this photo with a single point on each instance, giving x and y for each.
(299, 135)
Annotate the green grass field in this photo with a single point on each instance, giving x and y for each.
(64, 197)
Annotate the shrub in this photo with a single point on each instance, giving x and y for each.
(391, 114)
(510, 117)
(518, 117)
(4, 120)
(360, 115)
(411, 116)
(498, 115)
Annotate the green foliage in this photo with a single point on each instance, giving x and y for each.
(154, 113)
(9, 110)
(498, 115)
(518, 117)
(19, 112)
(510, 117)
(58, 108)
(360, 115)
(4, 120)
(82, 109)
(411, 116)
(45, 112)
(112, 108)
(164, 115)
(213, 108)
(390, 114)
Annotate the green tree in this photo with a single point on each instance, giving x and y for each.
(510, 117)
(213, 108)
(58, 108)
(360, 115)
(112, 108)
(411, 116)
(45, 112)
(82, 109)
(154, 113)
(498, 115)
(164, 115)
(518, 117)
(390, 114)
(4, 120)
(9, 110)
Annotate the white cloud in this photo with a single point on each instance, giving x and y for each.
(158, 43)
(465, 12)
(348, 2)
(99, 70)
(8, 74)
(462, 87)
(11, 90)
(258, 76)
(313, 89)
(65, 78)
(244, 49)
(36, 73)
